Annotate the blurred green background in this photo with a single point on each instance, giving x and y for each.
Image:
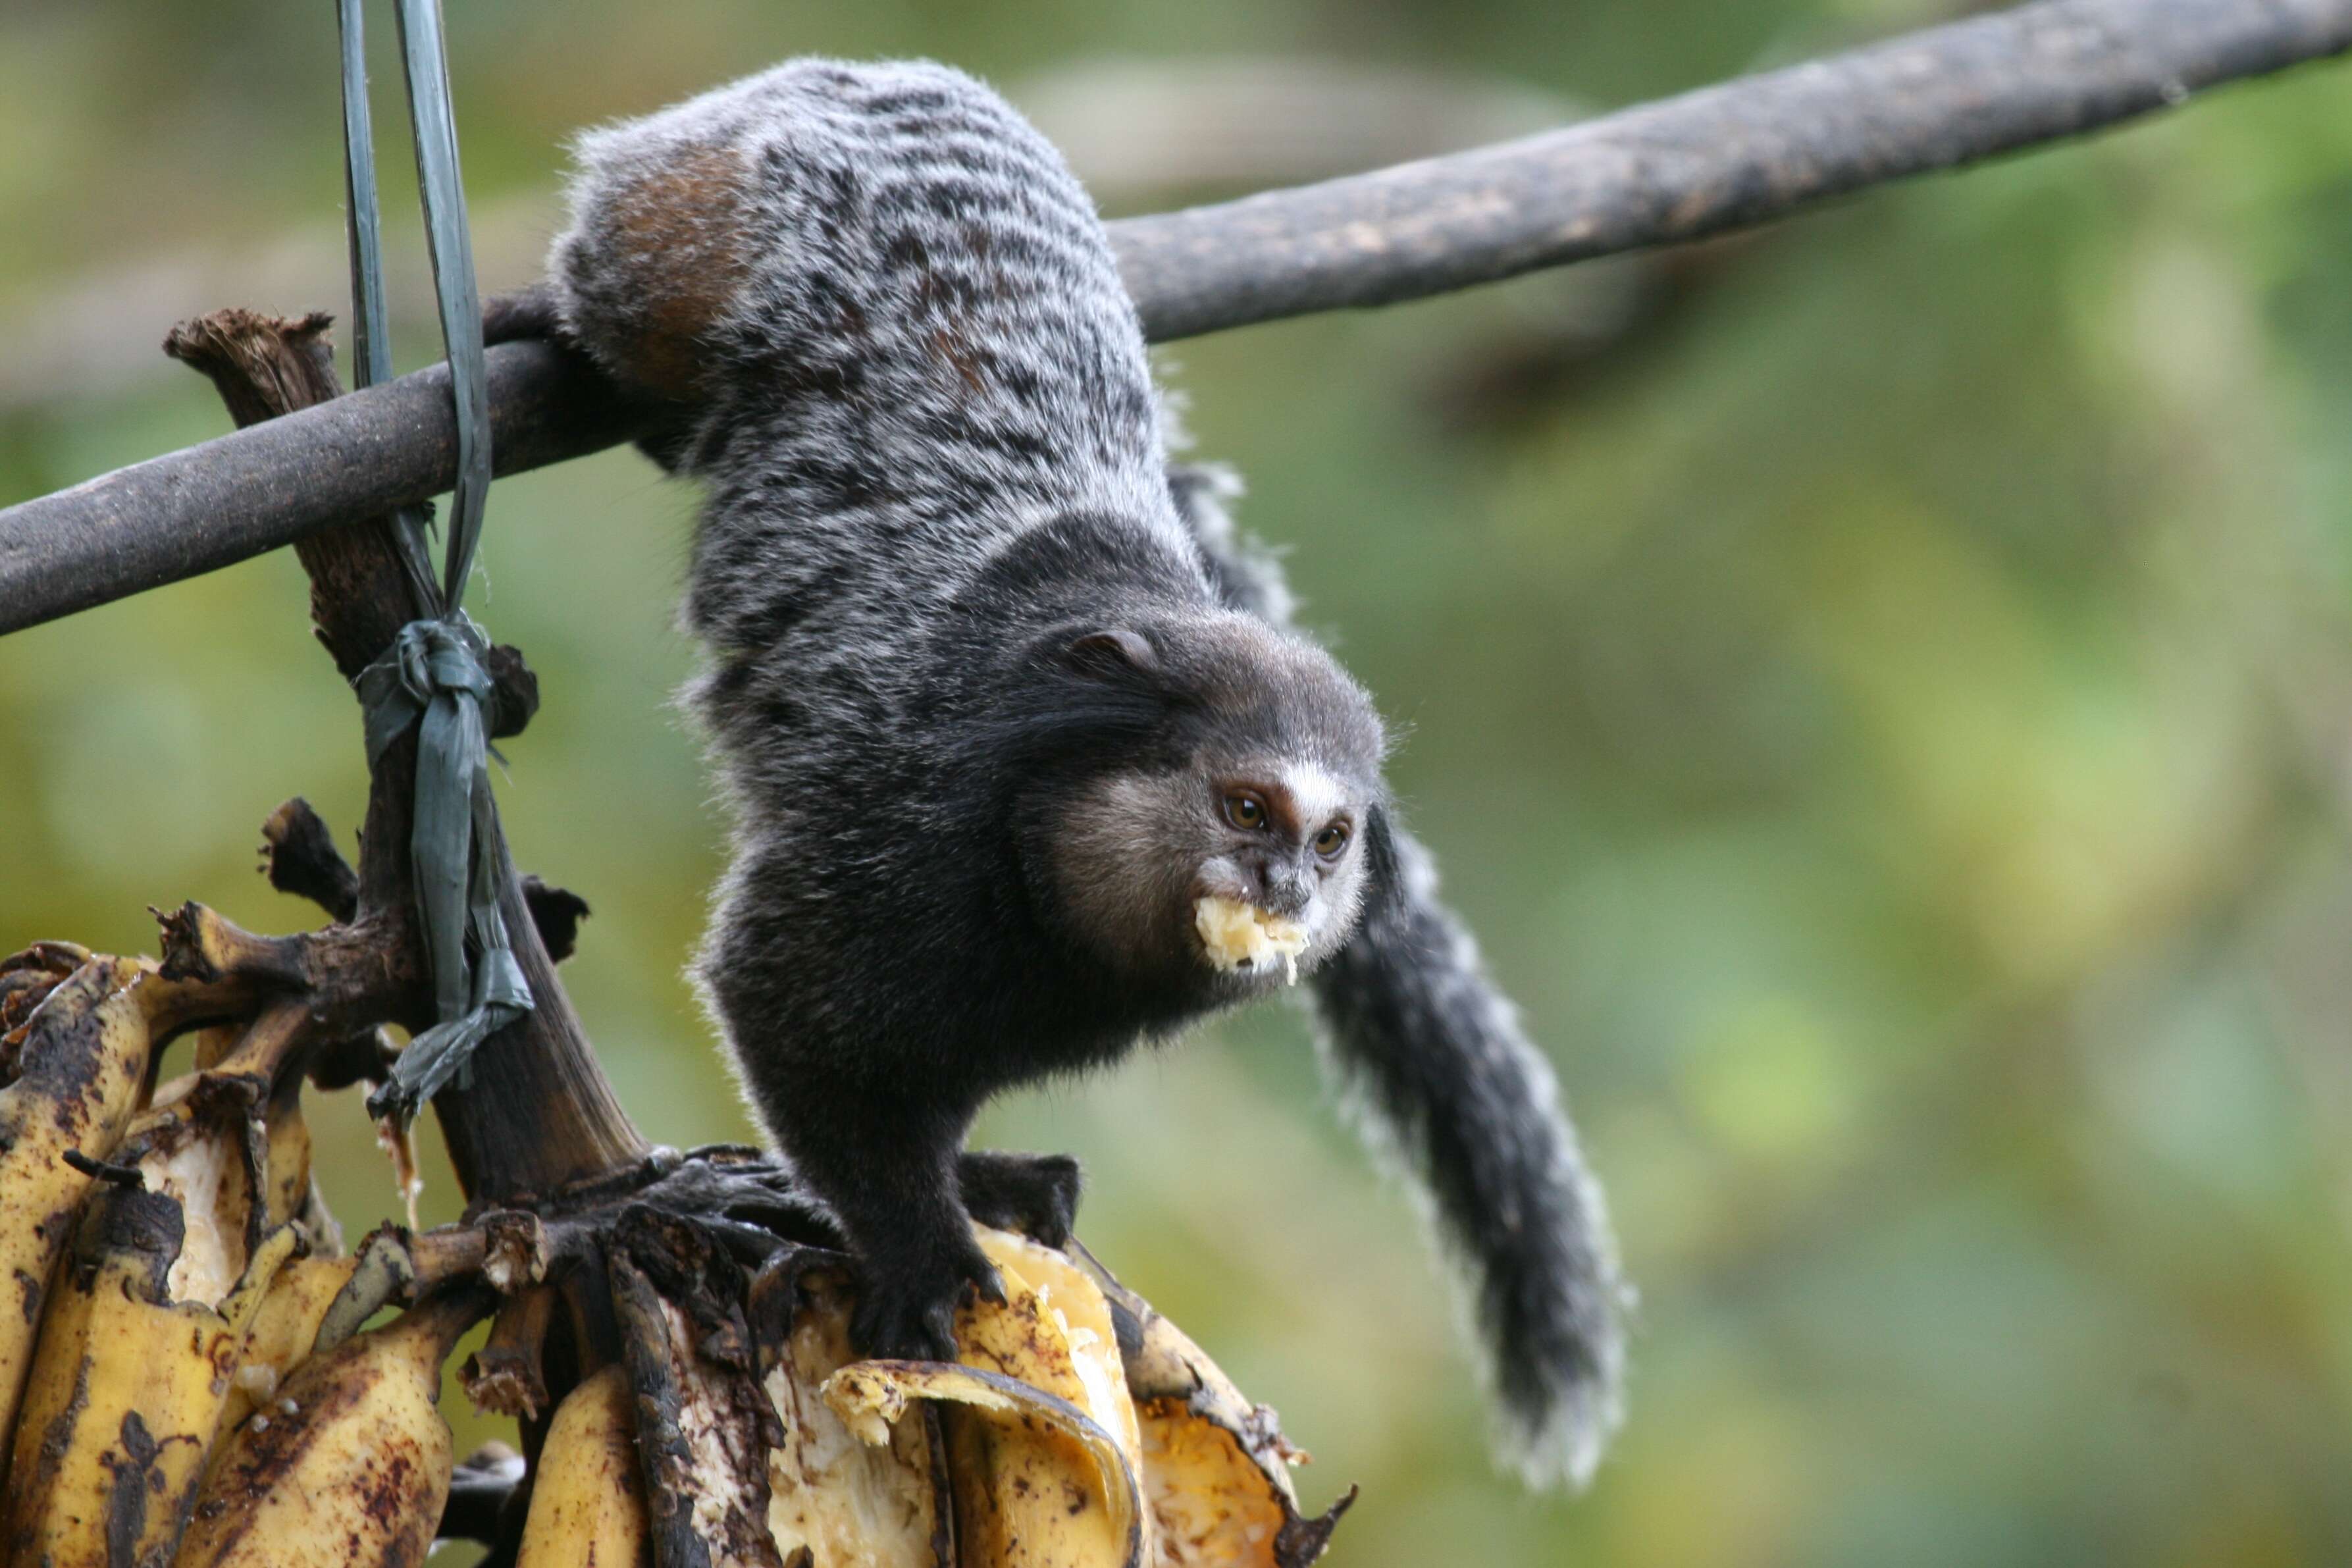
(1879, 690)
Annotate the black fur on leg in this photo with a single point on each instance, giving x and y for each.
(888, 1168)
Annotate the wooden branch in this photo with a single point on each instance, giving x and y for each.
(1721, 158)
(538, 1111)
(1739, 154)
(238, 496)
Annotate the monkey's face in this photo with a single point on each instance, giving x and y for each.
(1137, 852)
(1282, 844)
(1253, 780)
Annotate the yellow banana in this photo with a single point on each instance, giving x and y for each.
(350, 1466)
(287, 1193)
(283, 1328)
(81, 1066)
(1038, 1482)
(588, 1497)
(126, 1390)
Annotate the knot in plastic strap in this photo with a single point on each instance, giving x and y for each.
(433, 678)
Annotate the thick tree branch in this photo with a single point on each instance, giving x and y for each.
(1738, 154)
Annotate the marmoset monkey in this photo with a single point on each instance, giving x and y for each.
(1027, 763)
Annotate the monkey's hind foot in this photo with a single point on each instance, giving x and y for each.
(907, 1300)
(1035, 1194)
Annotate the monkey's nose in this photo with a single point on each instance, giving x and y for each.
(1280, 889)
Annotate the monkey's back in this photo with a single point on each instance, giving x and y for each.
(893, 326)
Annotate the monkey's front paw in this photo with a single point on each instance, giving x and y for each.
(907, 1308)
(1037, 1195)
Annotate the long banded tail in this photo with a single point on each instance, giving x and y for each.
(1432, 1057)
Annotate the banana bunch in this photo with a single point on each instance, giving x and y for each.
(193, 1371)
(174, 1270)
(1077, 1429)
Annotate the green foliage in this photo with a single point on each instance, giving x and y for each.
(1887, 719)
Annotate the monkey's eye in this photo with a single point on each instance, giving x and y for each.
(1245, 812)
(1331, 840)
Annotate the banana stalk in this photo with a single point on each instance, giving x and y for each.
(704, 1427)
(506, 1376)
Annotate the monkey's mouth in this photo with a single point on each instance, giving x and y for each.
(1239, 936)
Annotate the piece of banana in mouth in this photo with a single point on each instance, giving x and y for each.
(1236, 935)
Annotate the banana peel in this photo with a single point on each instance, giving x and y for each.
(1020, 1473)
(1083, 1430)
(1216, 1468)
(1038, 1483)
(840, 1495)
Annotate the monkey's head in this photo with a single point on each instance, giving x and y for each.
(1213, 758)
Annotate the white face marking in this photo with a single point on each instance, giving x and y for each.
(1315, 793)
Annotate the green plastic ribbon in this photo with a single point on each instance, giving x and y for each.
(433, 678)
(370, 328)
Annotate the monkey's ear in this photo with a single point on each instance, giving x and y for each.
(1112, 651)
(1381, 846)
(1384, 865)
